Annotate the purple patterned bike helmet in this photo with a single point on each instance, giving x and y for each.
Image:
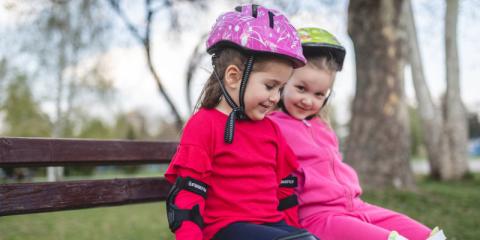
(254, 30)
(257, 29)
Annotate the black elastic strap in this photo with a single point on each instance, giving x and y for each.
(243, 84)
(229, 99)
(289, 182)
(288, 202)
(230, 125)
(175, 215)
(194, 186)
(237, 112)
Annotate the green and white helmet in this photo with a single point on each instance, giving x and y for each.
(317, 41)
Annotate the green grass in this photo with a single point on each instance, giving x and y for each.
(454, 206)
(135, 222)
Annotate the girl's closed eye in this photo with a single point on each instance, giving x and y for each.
(269, 86)
(300, 88)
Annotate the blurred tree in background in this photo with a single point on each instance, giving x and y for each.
(173, 9)
(23, 116)
(68, 31)
(379, 112)
(57, 43)
(61, 48)
(21, 113)
(445, 127)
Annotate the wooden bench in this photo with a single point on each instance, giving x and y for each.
(23, 198)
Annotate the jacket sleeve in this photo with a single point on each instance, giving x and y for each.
(189, 161)
(187, 200)
(286, 166)
(286, 195)
(192, 159)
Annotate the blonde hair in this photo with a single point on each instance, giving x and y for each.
(325, 63)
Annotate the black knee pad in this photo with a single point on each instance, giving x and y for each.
(300, 235)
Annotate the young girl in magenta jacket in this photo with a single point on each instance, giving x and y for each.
(328, 189)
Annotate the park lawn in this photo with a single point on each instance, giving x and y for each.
(130, 222)
(455, 206)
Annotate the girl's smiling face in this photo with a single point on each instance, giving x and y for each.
(263, 88)
(305, 93)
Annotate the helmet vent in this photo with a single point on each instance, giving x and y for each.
(270, 18)
(254, 10)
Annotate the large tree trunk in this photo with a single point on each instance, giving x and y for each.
(378, 143)
(455, 113)
(434, 136)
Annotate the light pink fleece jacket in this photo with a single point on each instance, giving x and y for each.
(329, 191)
(325, 182)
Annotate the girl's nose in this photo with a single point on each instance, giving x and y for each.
(274, 97)
(307, 102)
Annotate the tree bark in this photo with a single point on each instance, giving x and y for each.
(378, 143)
(430, 116)
(455, 112)
(445, 132)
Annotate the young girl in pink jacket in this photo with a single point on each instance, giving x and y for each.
(328, 189)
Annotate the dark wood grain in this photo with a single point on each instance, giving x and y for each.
(21, 152)
(25, 198)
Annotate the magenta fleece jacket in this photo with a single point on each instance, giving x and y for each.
(325, 183)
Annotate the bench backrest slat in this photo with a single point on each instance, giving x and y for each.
(25, 198)
(21, 152)
(22, 198)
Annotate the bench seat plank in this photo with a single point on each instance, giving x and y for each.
(22, 198)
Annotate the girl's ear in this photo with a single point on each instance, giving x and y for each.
(233, 77)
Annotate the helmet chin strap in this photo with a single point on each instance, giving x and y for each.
(238, 112)
(243, 84)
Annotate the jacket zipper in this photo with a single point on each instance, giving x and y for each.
(348, 193)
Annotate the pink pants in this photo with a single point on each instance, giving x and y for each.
(366, 222)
